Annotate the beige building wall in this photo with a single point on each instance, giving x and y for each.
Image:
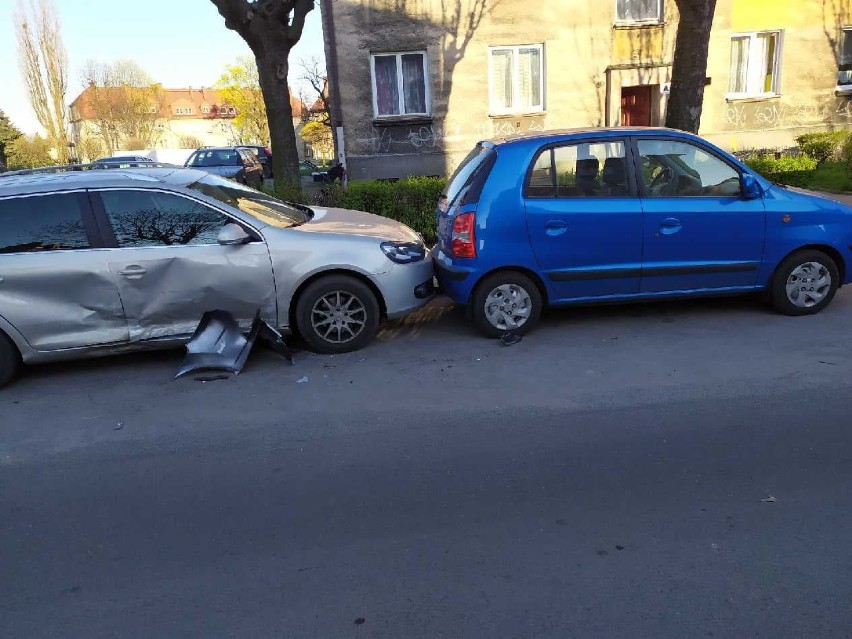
(806, 99)
(589, 61)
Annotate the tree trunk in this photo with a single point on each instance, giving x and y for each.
(689, 71)
(272, 67)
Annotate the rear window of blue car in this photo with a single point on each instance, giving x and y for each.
(477, 161)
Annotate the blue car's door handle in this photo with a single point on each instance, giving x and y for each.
(555, 227)
(670, 225)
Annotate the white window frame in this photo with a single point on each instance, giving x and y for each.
(400, 88)
(753, 73)
(205, 110)
(657, 20)
(843, 88)
(493, 109)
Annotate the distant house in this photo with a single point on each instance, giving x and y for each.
(415, 84)
(170, 118)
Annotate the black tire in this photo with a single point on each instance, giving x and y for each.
(309, 310)
(825, 265)
(523, 286)
(10, 360)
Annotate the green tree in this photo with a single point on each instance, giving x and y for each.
(8, 134)
(271, 28)
(240, 88)
(29, 152)
(689, 68)
(318, 135)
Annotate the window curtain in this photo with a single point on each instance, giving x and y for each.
(739, 65)
(414, 83)
(529, 80)
(844, 71)
(501, 78)
(637, 10)
(387, 90)
(765, 54)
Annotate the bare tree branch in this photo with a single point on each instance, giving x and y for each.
(44, 66)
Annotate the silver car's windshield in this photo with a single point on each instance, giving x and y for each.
(259, 205)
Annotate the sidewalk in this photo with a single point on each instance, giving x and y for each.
(845, 198)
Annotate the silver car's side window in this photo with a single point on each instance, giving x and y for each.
(154, 218)
(42, 223)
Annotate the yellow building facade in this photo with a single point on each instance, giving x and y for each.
(416, 83)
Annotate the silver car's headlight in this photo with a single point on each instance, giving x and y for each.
(403, 252)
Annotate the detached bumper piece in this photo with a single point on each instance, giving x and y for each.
(218, 344)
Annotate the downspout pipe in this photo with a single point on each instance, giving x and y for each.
(330, 46)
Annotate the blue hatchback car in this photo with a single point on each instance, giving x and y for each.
(604, 215)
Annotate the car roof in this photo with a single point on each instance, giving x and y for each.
(134, 177)
(603, 132)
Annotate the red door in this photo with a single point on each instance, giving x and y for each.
(636, 106)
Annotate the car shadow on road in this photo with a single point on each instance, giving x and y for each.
(439, 324)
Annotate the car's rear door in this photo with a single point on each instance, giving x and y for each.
(170, 269)
(700, 232)
(584, 219)
(56, 288)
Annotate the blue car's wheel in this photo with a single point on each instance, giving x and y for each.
(805, 283)
(506, 302)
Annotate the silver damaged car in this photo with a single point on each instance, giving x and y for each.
(103, 262)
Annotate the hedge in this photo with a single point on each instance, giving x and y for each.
(793, 171)
(823, 146)
(412, 200)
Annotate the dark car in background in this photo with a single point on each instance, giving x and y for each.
(264, 156)
(232, 162)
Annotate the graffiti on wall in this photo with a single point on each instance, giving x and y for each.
(509, 126)
(401, 139)
(760, 115)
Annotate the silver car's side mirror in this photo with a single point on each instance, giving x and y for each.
(233, 235)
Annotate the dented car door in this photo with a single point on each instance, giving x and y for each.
(170, 269)
(56, 288)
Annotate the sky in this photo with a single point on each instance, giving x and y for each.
(179, 43)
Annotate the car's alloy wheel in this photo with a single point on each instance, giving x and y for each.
(338, 317)
(506, 302)
(10, 360)
(805, 283)
(337, 314)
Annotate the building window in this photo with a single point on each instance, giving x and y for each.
(754, 64)
(399, 84)
(516, 78)
(638, 11)
(205, 110)
(844, 61)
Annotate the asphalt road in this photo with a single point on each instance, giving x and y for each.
(677, 470)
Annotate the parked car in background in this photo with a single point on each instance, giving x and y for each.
(603, 215)
(264, 156)
(123, 161)
(174, 243)
(232, 162)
